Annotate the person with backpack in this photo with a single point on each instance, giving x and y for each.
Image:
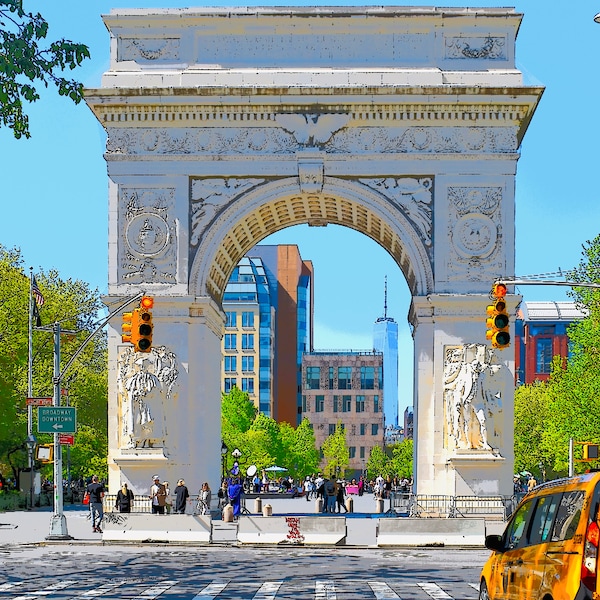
(158, 495)
(330, 495)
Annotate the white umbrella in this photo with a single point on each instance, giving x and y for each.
(275, 469)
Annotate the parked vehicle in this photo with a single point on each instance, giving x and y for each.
(549, 548)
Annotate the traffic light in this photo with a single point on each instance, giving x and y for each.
(44, 453)
(590, 452)
(142, 341)
(497, 318)
(127, 327)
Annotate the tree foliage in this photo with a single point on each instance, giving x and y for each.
(336, 453)
(26, 60)
(75, 307)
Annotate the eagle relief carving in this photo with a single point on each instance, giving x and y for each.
(312, 130)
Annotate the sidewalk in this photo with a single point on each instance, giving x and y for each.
(32, 527)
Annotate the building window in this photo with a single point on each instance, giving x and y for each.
(248, 384)
(248, 364)
(230, 382)
(336, 400)
(247, 341)
(230, 364)
(362, 452)
(375, 404)
(375, 429)
(363, 429)
(230, 341)
(331, 378)
(304, 407)
(247, 319)
(543, 355)
(379, 371)
(319, 403)
(367, 378)
(331, 428)
(313, 378)
(230, 318)
(360, 404)
(344, 378)
(346, 403)
(352, 451)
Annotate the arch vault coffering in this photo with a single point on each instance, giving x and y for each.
(226, 125)
(270, 207)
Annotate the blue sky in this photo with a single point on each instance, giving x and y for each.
(54, 186)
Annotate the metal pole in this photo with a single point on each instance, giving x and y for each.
(58, 524)
(30, 390)
(571, 468)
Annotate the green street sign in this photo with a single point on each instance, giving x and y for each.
(57, 419)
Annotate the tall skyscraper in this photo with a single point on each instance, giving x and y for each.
(385, 340)
(274, 284)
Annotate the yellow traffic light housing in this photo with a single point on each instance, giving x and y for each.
(498, 321)
(127, 327)
(590, 452)
(44, 453)
(144, 326)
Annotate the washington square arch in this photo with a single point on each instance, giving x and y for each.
(227, 125)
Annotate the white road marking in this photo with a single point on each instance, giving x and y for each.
(433, 590)
(325, 590)
(383, 591)
(212, 590)
(268, 590)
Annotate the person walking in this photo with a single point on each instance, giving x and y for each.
(96, 491)
(124, 500)
(234, 491)
(330, 495)
(168, 498)
(204, 498)
(181, 496)
(339, 497)
(158, 494)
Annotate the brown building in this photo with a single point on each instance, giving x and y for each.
(345, 387)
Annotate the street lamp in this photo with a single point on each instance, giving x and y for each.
(597, 18)
(235, 471)
(224, 450)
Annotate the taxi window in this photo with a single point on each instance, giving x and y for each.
(568, 515)
(516, 528)
(543, 517)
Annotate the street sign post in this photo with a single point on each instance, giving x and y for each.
(38, 401)
(57, 419)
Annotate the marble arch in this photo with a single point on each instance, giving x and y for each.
(227, 124)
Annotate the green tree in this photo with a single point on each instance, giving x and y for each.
(378, 463)
(336, 453)
(25, 60)
(237, 414)
(299, 449)
(402, 459)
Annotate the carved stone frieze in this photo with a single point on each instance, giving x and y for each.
(274, 140)
(312, 131)
(154, 49)
(147, 249)
(209, 197)
(145, 383)
(488, 48)
(475, 231)
(413, 197)
(310, 175)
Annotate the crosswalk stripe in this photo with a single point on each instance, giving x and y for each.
(268, 590)
(433, 590)
(212, 590)
(102, 589)
(9, 586)
(325, 590)
(383, 591)
(61, 585)
(156, 590)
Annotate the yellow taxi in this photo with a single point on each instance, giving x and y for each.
(549, 548)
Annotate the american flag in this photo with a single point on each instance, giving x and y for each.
(39, 298)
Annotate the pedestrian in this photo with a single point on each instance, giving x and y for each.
(234, 492)
(158, 494)
(222, 495)
(330, 495)
(531, 483)
(168, 498)
(181, 496)
(204, 498)
(307, 487)
(339, 497)
(124, 500)
(96, 491)
(361, 486)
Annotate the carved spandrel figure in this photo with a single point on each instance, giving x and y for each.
(473, 389)
(145, 381)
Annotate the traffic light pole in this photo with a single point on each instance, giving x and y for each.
(546, 282)
(58, 523)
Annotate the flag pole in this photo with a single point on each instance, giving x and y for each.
(30, 390)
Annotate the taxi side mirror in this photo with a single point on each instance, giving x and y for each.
(494, 542)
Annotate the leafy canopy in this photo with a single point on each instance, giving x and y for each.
(24, 60)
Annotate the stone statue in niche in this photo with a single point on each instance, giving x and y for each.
(145, 384)
(475, 384)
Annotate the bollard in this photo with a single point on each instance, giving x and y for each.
(379, 505)
(228, 513)
(319, 505)
(258, 505)
(267, 510)
(350, 504)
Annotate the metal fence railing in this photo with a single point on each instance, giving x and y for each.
(421, 505)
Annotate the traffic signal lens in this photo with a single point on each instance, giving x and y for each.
(127, 325)
(144, 345)
(501, 339)
(147, 302)
(501, 321)
(499, 290)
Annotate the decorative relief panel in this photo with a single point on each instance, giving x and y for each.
(148, 49)
(145, 384)
(147, 249)
(488, 48)
(413, 197)
(210, 196)
(475, 231)
(275, 140)
(475, 386)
